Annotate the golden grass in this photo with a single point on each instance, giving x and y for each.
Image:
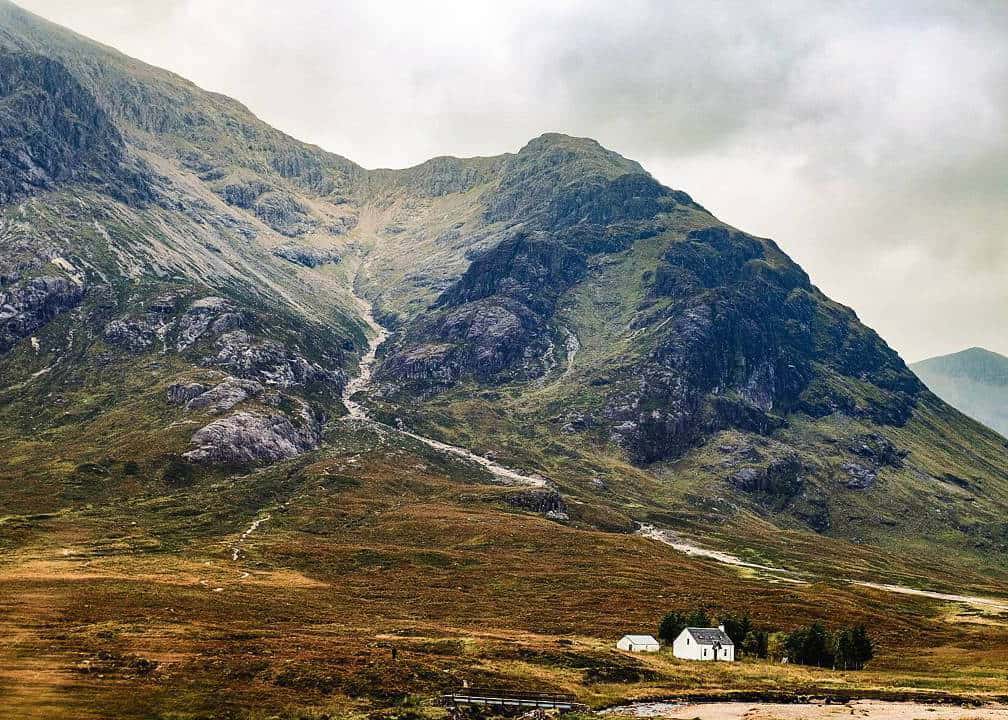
(362, 556)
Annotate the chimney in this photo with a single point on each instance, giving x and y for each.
(721, 628)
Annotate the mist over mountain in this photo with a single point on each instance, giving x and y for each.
(974, 381)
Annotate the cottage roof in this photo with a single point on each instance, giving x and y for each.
(709, 636)
(641, 639)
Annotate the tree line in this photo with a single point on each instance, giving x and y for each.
(848, 648)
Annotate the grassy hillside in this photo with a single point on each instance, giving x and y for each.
(192, 527)
(136, 606)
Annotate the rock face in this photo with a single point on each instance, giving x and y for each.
(51, 129)
(252, 439)
(737, 337)
(745, 340)
(28, 306)
(307, 256)
(272, 363)
(226, 395)
(493, 318)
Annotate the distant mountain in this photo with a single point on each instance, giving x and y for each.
(974, 381)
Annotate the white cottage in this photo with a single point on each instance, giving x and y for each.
(704, 644)
(638, 643)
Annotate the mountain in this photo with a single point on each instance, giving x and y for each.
(258, 402)
(186, 290)
(974, 381)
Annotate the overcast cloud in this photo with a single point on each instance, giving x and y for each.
(870, 139)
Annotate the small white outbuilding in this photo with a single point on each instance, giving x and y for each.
(638, 643)
(704, 644)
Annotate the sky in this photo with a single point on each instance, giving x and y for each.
(869, 139)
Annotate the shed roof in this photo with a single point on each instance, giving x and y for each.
(709, 636)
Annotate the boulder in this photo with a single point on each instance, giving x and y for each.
(225, 396)
(253, 439)
(182, 393)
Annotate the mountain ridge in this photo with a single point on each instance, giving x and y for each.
(487, 271)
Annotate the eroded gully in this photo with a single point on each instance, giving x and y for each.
(357, 411)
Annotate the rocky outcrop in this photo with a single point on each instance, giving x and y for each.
(254, 439)
(243, 194)
(781, 478)
(553, 177)
(307, 256)
(539, 501)
(271, 363)
(877, 449)
(133, 335)
(51, 129)
(30, 305)
(284, 213)
(139, 334)
(859, 477)
(871, 452)
(182, 393)
(209, 313)
(494, 321)
(226, 395)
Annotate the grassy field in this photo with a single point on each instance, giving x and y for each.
(137, 609)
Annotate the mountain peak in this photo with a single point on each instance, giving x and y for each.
(975, 363)
(974, 381)
(559, 148)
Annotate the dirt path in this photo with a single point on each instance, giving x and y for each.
(682, 545)
(237, 550)
(861, 709)
(981, 603)
(362, 381)
(678, 543)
